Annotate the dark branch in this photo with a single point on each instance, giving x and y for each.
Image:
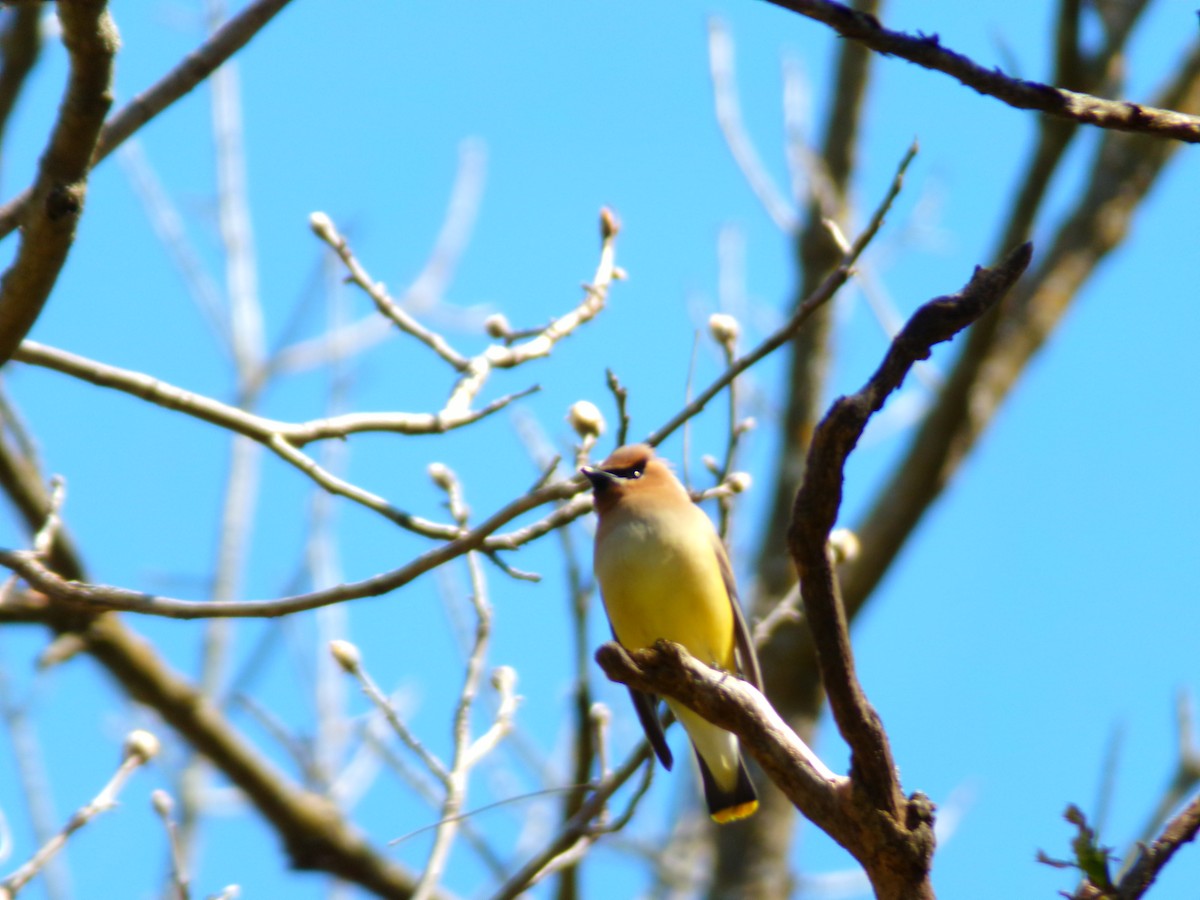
(1150, 859)
(819, 499)
(927, 51)
(49, 220)
(196, 66)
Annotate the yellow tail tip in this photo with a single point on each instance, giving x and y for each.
(734, 813)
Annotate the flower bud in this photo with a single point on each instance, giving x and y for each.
(141, 744)
(724, 329)
(496, 325)
(162, 803)
(440, 474)
(609, 224)
(322, 226)
(586, 419)
(844, 544)
(739, 482)
(346, 655)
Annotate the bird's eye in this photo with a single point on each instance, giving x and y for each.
(629, 473)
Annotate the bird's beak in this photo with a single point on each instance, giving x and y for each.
(598, 477)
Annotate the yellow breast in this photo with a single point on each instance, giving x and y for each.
(660, 578)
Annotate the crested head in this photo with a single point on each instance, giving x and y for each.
(631, 457)
(631, 471)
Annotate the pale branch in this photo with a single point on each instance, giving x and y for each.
(343, 488)
(729, 118)
(100, 598)
(819, 499)
(827, 288)
(507, 356)
(232, 418)
(284, 438)
(927, 51)
(423, 293)
(140, 748)
(578, 826)
(164, 807)
(323, 228)
(349, 658)
(103, 598)
(465, 754)
(195, 67)
(49, 220)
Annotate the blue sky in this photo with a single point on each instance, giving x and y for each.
(1048, 598)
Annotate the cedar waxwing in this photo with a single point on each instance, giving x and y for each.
(663, 574)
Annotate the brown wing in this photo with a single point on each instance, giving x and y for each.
(646, 706)
(743, 642)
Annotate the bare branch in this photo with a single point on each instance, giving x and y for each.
(729, 117)
(828, 287)
(56, 201)
(819, 499)
(1151, 858)
(196, 66)
(578, 826)
(20, 45)
(323, 228)
(283, 438)
(668, 670)
(140, 747)
(927, 51)
(99, 598)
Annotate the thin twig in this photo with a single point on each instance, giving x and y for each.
(577, 826)
(729, 118)
(621, 397)
(828, 287)
(424, 293)
(36, 786)
(283, 438)
(323, 228)
(348, 657)
(164, 806)
(140, 748)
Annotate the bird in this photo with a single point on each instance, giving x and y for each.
(663, 574)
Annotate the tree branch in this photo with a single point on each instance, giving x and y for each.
(56, 200)
(894, 852)
(1151, 859)
(819, 499)
(198, 65)
(927, 51)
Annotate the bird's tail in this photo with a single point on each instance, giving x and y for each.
(728, 804)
